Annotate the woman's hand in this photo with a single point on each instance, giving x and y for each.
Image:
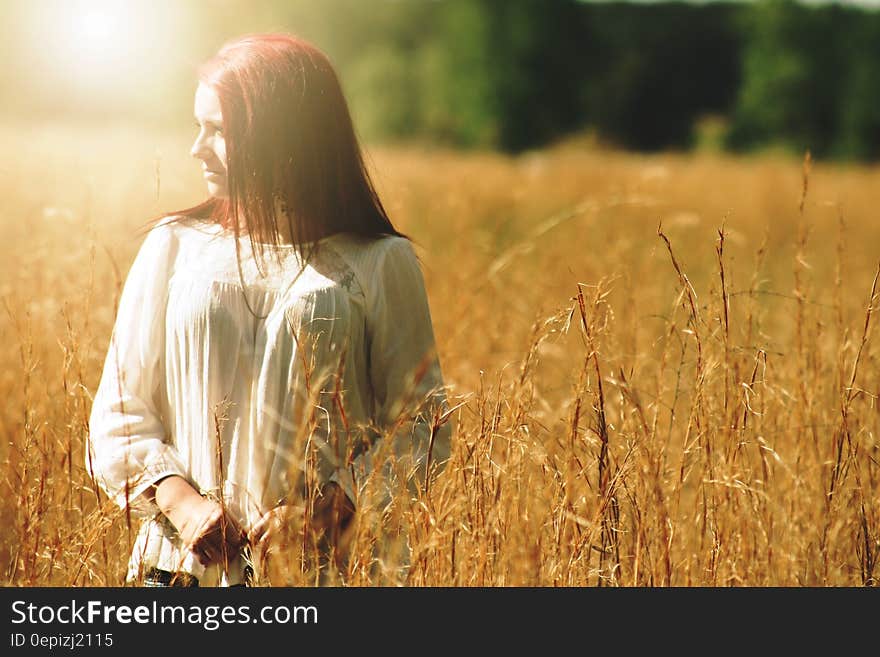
(204, 528)
(273, 531)
(332, 510)
(331, 514)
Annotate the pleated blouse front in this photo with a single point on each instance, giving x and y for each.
(232, 377)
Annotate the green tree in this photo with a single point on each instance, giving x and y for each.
(656, 69)
(794, 76)
(858, 135)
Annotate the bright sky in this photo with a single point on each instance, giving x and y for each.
(94, 37)
(95, 54)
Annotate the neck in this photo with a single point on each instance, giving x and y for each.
(284, 235)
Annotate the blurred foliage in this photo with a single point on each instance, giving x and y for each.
(518, 74)
(858, 133)
(659, 68)
(796, 66)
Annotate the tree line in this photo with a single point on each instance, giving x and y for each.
(517, 74)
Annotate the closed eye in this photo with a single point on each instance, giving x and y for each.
(217, 129)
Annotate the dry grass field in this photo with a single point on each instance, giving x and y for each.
(638, 409)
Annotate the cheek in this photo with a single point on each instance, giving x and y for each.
(220, 150)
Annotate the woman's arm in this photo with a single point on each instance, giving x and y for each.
(405, 375)
(128, 448)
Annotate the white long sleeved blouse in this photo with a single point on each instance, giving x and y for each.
(337, 358)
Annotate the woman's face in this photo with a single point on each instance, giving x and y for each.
(210, 147)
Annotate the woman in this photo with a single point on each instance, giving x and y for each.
(273, 345)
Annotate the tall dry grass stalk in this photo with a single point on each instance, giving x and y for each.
(694, 405)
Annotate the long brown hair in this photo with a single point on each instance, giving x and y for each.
(290, 144)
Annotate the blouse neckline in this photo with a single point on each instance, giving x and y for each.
(226, 233)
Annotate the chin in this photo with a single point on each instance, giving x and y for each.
(217, 191)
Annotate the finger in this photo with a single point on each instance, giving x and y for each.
(209, 545)
(273, 537)
(205, 557)
(258, 530)
(204, 529)
(216, 543)
(227, 524)
(211, 536)
(223, 530)
(264, 546)
(230, 547)
(235, 536)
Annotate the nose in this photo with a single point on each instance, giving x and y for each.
(199, 148)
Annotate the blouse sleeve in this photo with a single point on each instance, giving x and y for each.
(128, 448)
(409, 395)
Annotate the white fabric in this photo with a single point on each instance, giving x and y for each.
(353, 324)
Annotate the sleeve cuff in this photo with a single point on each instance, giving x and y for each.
(135, 498)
